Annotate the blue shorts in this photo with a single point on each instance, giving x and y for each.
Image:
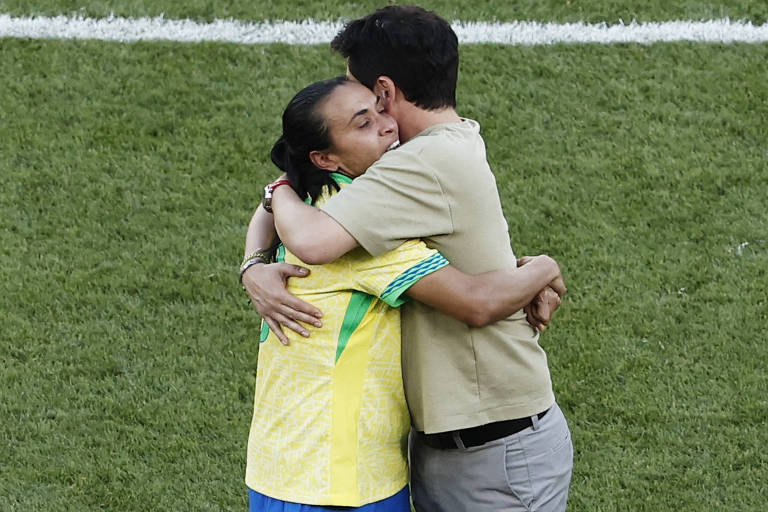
(400, 502)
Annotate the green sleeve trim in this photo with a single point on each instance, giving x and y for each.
(264, 332)
(279, 256)
(356, 310)
(393, 294)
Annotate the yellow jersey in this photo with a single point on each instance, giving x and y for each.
(330, 422)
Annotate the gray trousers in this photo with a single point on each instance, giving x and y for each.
(529, 471)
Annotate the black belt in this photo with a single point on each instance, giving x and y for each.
(475, 436)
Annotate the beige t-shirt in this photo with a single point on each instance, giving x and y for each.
(438, 187)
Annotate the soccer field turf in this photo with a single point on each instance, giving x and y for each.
(128, 173)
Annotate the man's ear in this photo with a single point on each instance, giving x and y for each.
(325, 161)
(385, 89)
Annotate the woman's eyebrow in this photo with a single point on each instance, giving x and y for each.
(360, 112)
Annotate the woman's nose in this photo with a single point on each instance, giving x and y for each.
(387, 126)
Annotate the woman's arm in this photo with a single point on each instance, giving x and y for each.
(261, 231)
(481, 299)
(265, 284)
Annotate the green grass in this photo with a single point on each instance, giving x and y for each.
(128, 174)
(643, 168)
(548, 10)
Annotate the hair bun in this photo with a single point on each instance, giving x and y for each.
(280, 154)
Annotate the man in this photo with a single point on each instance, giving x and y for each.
(487, 433)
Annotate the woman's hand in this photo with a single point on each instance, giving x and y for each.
(539, 311)
(265, 285)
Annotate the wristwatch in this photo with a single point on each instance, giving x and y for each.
(267, 201)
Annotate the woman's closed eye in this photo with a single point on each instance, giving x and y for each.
(367, 121)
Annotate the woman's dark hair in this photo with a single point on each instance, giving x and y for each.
(305, 130)
(416, 48)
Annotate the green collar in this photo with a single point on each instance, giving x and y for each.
(341, 178)
(338, 178)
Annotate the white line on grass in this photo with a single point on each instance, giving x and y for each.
(320, 32)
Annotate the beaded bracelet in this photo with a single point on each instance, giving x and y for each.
(260, 256)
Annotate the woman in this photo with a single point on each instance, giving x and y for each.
(330, 421)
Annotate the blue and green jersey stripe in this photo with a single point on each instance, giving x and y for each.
(393, 293)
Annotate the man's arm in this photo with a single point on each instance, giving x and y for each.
(482, 299)
(265, 283)
(308, 232)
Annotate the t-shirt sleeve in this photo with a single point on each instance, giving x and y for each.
(389, 275)
(397, 199)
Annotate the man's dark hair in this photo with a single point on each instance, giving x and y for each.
(416, 48)
(306, 130)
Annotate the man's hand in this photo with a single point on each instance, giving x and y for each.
(265, 285)
(539, 311)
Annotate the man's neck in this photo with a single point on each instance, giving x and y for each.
(412, 120)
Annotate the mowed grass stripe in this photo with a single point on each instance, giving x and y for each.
(319, 32)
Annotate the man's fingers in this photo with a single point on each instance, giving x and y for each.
(254, 301)
(290, 324)
(301, 307)
(299, 316)
(278, 321)
(280, 309)
(288, 312)
(290, 270)
(275, 328)
(285, 315)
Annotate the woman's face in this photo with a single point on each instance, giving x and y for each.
(360, 131)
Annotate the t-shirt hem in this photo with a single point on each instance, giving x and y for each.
(460, 420)
(330, 500)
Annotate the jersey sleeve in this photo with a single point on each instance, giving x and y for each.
(399, 198)
(389, 275)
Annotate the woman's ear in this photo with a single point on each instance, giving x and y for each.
(325, 161)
